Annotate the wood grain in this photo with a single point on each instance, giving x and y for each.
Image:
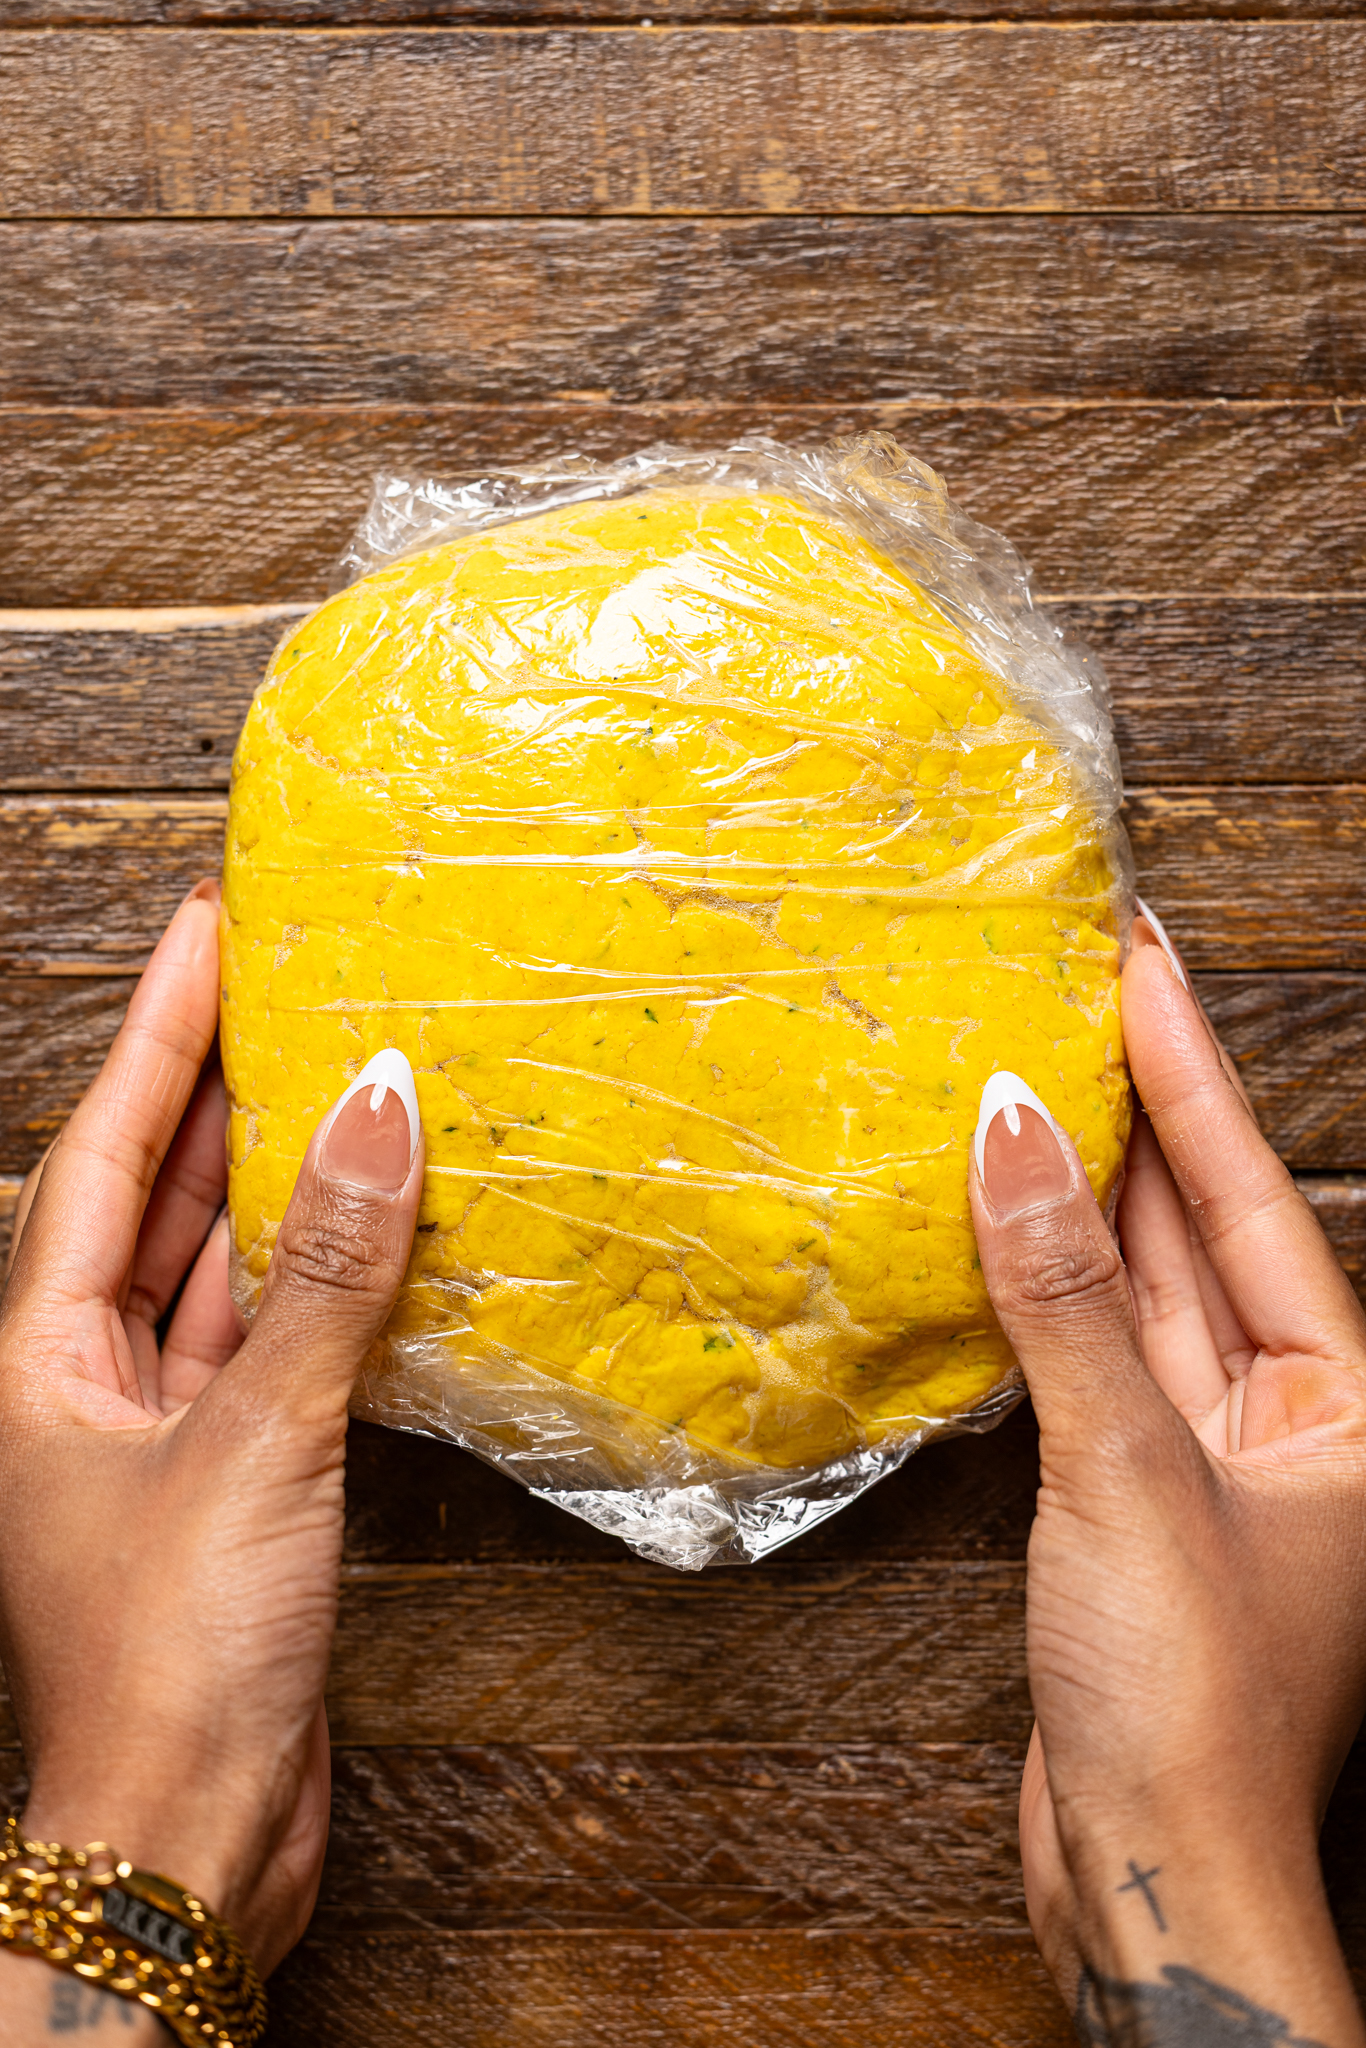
(580, 1800)
(54, 1034)
(91, 881)
(1243, 872)
(636, 1653)
(1241, 690)
(692, 1990)
(655, 312)
(1233, 690)
(1176, 117)
(559, 13)
(703, 1835)
(177, 506)
(1300, 1044)
(1340, 1205)
(1265, 878)
(623, 1652)
(673, 1835)
(129, 701)
(664, 1836)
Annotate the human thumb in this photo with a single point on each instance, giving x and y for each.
(1053, 1271)
(342, 1248)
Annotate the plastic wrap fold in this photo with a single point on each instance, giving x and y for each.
(705, 829)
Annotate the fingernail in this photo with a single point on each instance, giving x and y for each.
(1160, 934)
(1018, 1148)
(372, 1133)
(206, 890)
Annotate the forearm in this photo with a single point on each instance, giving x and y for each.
(39, 2004)
(1205, 1939)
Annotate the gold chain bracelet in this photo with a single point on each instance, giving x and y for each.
(131, 1932)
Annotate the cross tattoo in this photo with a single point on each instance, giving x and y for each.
(1142, 1881)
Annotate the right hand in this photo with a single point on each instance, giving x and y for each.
(1197, 1568)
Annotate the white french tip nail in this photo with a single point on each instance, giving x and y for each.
(388, 1069)
(1163, 941)
(1009, 1093)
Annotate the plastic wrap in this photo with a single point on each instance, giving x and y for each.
(706, 829)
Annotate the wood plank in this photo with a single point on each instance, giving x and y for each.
(1242, 690)
(132, 700)
(654, 312)
(673, 1835)
(1245, 690)
(92, 881)
(1300, 1044)
(1253, 879)
(624, 1652)
(178, 506)
(629, 1652)
(713, 1836)
(1179, 117)
(414, 1500)
(666, 1836)
(1299, 1039)
(693, 1990)
(54, 1033)
(705, 1835)
(1340, 1205)
(560, 13)
(1265, 877)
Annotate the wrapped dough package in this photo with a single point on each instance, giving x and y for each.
(706, 830)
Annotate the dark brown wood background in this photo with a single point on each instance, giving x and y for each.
(1101, 262)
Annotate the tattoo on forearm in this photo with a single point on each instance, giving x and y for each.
(1142, 1881)
(1186, 2010)
(80, 2008)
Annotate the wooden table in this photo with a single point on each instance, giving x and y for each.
(1105, 272)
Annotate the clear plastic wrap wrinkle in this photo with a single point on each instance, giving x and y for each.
(706, 829)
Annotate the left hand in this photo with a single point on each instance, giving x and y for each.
(172, 1526)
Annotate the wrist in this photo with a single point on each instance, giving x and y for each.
(163, 1832)
(89, 1913)
(1246, 1915)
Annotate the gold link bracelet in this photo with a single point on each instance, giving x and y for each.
(129, 1931)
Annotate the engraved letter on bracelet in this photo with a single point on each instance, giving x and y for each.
(142, 1923)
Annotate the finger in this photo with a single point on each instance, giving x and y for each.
(1263, 1240)
(25, 1202)
(85, 1217)
(1174, 1333)
(1148, 929)
(1054, 1274)
(342, 1250)
(205, 1334)
(184, 1202)
(1044, 1865)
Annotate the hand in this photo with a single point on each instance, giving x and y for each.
(1197, 1568)
(171, 1535)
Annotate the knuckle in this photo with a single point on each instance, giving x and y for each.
(325, 1255)
(1070, 1273)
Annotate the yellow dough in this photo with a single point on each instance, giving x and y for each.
(704, 875)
